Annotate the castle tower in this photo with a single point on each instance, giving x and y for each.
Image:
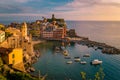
(53, 17)
(24, 29)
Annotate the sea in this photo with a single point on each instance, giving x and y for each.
(54, 64)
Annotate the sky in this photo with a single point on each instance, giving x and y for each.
(67, 9)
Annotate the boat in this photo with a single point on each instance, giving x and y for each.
(62, 48)
(96, 61)
(86, 55)
(77, 59)
(67, 57)
(83, 62)
(57, 49)
(65, 53)
(69, 62)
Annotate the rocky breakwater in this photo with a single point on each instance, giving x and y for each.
(29, 60)
(97, 45)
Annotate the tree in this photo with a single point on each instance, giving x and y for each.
(99, 75)
(83, 75)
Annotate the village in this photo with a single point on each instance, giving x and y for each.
(17, 41)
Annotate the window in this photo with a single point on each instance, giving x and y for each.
(13, 55)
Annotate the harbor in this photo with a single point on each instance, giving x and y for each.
(57, 65)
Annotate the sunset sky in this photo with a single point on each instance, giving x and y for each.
(68, 9)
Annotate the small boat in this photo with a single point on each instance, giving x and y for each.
(65, 53)
(57, 49)
(77, 59)
(86, 55)
(69, 62)
(67, 57)
(62, 48)
(83, 62)
(96, 61)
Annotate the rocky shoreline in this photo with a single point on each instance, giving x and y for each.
(107, 49)
(28, 65)
(32, 59)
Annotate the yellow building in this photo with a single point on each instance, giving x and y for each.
(12, 56)
(13, 31)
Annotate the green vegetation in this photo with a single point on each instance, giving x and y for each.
(83, 75)
(6, 73)
(2, 27)
(2, 77)
(98, 76)
(20, 76)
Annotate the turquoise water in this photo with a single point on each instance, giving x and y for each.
(55, 65)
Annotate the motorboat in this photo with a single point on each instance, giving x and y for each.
(67, 57)
(62, 48)
(57, 49)
(69, 62)
(86, 55)
(96, 61)
(65, 53)
(77, 59)
(83, 62)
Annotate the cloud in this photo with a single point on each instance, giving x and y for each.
(75, 4)
(71, 9)
(90, 10)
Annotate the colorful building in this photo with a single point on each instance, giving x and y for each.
(2, 36)
(58, 33)
(12, 56)
(55, 34)
(46, 34)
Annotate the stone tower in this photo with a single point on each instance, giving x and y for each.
(24, 29)
(53, 17)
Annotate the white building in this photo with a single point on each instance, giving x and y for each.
(2, 36)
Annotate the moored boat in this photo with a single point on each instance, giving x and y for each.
(69, 62)
(57, 49)
(83, 62)
(65, 53)
(77, 59)
(96, 61)
(86, 55)
(67, 57)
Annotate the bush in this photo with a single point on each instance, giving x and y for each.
(20, 76)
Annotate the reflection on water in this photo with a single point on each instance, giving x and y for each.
(54, 64)
(102, 31)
